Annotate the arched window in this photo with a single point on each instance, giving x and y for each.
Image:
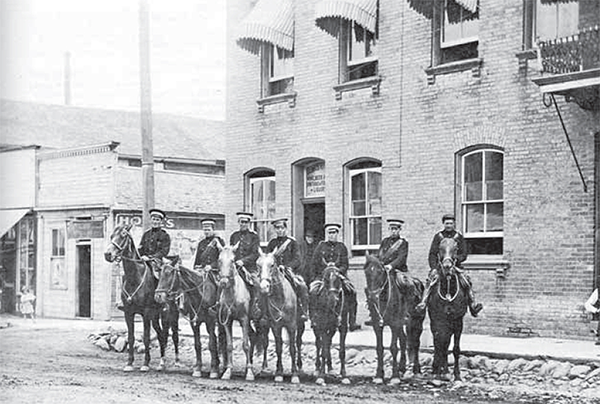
(482, 200)
(262, 201)
(365, 206)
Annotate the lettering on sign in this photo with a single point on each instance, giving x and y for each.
(85, 229)
(314, 180)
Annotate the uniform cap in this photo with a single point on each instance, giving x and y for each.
(332, 227)
(280, 221)
(395, 222)
(157, 212)
(448, 216)
(244, 215)
(208, 224)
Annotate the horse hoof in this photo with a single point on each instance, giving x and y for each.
(196, 373)
(378, 380)
(213, 375)
(128, 368)
(394, 381)
(408, 375)
(332, 373)
(249, 376)
(320, 381)
(445, 377)
(144, 368)
(279, 378)
(160, 367)
(295, 380)
(346, 381)
(226, 375)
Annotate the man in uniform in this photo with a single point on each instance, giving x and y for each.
(287, 257)
(449, 231)
(246, 256)
(156, 242)
(393, 250)
(207, 253)
(334, 251)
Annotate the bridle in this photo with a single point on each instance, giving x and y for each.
(127, 242)
(375, 295)
(340, 295)
(449, 273)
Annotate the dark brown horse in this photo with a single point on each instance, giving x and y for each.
(329, 312)
(281, 311)
(137, 294)
(392, 304)
(194, 294)
(447, 306)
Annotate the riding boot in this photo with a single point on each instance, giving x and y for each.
(255, 310)
(420, 308)
(352, 314)
(474, 308)
(302, 293)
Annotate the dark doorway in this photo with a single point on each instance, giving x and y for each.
(8, 270)
(314, 218)
(84, 280)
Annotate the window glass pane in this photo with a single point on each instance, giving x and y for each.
(458, 29)
(375, 230)
(358, 208)
(374, 193)
(58, 242)
(494, 217)
(361, 42)
(494, 166)
(494, 190)
(488, 246)
(358, 187)
(474, 218)
(556, 20)
(568, 19)
(472, 175)
(360, 232)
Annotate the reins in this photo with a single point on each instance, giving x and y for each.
(127, 243)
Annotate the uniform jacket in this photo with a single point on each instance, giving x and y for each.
(248, 248)
(155, 243)
(290, 256)
(206, 255)
(461, 253)
(326, 252)
(396, 259)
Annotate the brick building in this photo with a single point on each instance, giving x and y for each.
(63, 197)
(356, 111)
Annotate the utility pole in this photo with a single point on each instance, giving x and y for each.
(146, 113)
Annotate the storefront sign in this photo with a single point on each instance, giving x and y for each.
(314, 180)
(171, 222)
(85, 229)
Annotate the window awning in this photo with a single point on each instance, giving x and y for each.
(557, 1)
(425, 7)
(10, 217)
(329, 13)
(270, 21)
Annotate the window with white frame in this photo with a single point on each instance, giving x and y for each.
(277, 71)
(262, 203)
(482, 201)
(456, 33)
(549, 20)
(358, 54)
(365, 207)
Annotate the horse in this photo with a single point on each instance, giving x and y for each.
(281, 311)
(393, 305)
(194, 294)
(137, 294)
(234, 304)
(329, 312)
(447, 306)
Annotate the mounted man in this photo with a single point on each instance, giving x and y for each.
(393, 252)
(207, 253)
(333, 251)
(287, 257)
(245, 256)
(449, 231)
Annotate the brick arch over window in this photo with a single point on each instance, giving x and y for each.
(363, 204)
(485, 134)
(259, 187)
(480, 198)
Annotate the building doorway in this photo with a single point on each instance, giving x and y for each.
(314, 218)
(84, 278)
(8, 270)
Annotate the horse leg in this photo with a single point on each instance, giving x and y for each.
(265, 342)
(456, 351)
(129, 320)
(299, 334)
(319, 361)
(174, 320)
(146, 321)
(327, 349)
(414, 331)
(222, 344)
(292, 336)
(279, 350)
(197, 369)
(245, 323)
(229, 341)
(394, 350)
(402, 364)
(212, 347)
(379, 347)
(343, 333)
(161, 322)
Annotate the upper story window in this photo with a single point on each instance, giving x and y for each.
(548, 19)
(482, 200)
(277, 70)
(58, 242)
(358, 55)
(262, 202)
(455, 31)
(365, 206)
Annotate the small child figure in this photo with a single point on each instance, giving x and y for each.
(592, 305)
(26, 303)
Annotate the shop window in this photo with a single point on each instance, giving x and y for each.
(262, 203)
(365, 207)
(358, 54)
(545, 20)
(482, 200)
(277, 70)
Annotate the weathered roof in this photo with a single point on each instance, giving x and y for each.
(58, 126)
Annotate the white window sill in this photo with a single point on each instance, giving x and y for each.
(290, 98)
(486, 262)
(469, 64)
(353, 85)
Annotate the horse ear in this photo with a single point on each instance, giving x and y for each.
(219, 246)
(235, 247)
(260, 252)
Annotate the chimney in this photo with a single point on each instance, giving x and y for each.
(67, 78)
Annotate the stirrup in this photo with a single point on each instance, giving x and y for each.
(475, 309)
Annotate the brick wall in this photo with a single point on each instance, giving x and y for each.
(416, 129)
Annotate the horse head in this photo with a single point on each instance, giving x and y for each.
(375, 273)
(168, 282)
(447, 255)
(332, 279)
(120, 242)
(266, 263)
(227, 264)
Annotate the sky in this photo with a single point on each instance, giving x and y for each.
(187, 54)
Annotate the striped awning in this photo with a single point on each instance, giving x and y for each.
(270, 21)
(329, 13)
(10, 217)
(425, 7)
